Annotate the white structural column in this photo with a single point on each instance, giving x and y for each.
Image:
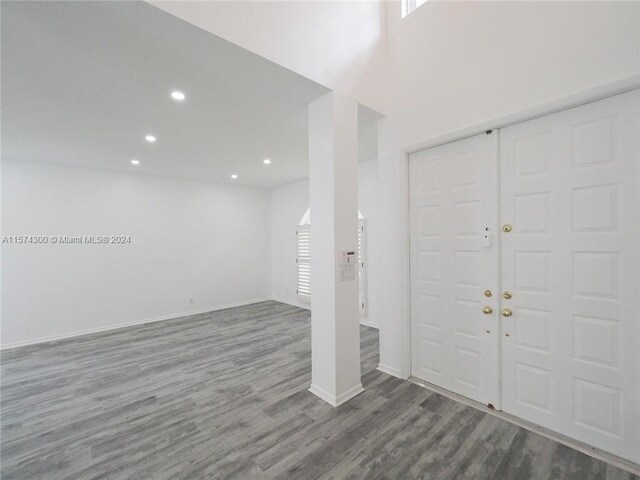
(333, 179)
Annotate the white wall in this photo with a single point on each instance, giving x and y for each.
(189, 239)
(340, 45)
(446, 66)
(288, 204)
(454, 65)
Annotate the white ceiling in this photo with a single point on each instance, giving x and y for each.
(84, 82)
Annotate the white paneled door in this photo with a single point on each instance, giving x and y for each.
(454, 233)
(559, 345)
(570, 349)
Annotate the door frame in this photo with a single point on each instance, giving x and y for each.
(594, 94)
(590, 95)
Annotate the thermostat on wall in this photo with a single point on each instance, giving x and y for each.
(347, 258)
(347, 265)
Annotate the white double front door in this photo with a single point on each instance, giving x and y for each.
(525, 264)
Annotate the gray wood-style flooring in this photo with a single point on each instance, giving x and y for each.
(224, 395)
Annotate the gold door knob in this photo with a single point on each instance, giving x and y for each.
(488, 293)
(507, 295)
(506, 312)
(506, 228)
(487, 310)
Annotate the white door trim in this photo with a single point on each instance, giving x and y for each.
(568, 106)
(593, 94)
(598, 92)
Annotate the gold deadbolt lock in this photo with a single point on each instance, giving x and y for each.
(507, 295)
(506, 312)
(487, 293)
(506, 228)
(487, 310)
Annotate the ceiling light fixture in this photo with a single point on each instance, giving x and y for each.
(135, 162)
(178, 95)
(266, 161)
(234, 176)
(150, 138)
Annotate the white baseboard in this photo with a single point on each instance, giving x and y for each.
(326, 396)
(368, 323)
(392, 371)
(118, 326)
(293, 304)
(336, 401)
(349, 394)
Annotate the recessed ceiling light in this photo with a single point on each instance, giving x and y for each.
(135, 162)
(234, 176)
(266, 161)
(178, 95)
(150, 138)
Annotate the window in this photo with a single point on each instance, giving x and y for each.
(409, 6)
(303, 260)
(303, 257)
(362, 273)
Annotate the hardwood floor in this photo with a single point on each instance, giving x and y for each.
(224, 395)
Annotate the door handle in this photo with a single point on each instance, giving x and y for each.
(506, 312)
(487, 310)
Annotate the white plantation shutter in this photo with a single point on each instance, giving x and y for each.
(362, 273)
(303, 260)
